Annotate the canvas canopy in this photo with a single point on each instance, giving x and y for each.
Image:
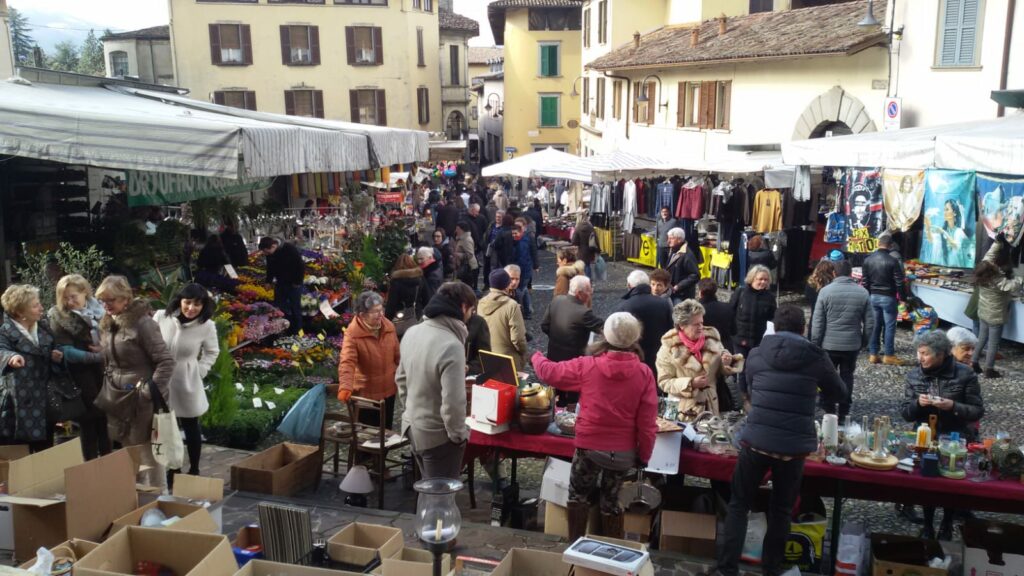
(585, 169)
(523, 166)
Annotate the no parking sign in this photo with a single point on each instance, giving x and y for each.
(893, 116)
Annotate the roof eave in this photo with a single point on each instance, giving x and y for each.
(718, 61)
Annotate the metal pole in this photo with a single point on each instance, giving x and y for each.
(437, 562)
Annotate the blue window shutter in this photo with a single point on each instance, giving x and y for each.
(950, 38)
(968, 32)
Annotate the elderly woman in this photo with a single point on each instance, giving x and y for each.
(29, 357)
(615, 427)
(369, 358)
(692, 362)
(191, 336)
(137, 362)
(433, 273)
(75, 322)
(946, 388)
(753, 306)
(964, 343)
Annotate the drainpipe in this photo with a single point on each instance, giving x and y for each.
(1011, 6)
(629, 89)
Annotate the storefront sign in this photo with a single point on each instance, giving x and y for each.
(159, 188)
(390, 197)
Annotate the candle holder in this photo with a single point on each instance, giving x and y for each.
(438, 517)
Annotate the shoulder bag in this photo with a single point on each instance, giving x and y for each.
(63, 396)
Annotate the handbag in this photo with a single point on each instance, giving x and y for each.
(600, 269)
(165, 438)
(119, 403)
(407, 317)
(63, 396)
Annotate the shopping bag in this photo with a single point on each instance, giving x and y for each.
(853, 555)
(753, 544)
(600, 269)
(304, 421)
(165, 436)
(805, 543)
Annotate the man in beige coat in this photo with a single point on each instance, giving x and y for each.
(504, 319)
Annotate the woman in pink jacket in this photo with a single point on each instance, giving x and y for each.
(616, 425)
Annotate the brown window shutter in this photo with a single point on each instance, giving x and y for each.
(289, 102)
(652, 105)
(727, 105)
(250, 100)
(707, 105)
(350, 44)
(353, 99)
(286, 46)
(636, 102)
(246, 36)
(215, 43)
(318, 103)
(681, 110)
(218, 98)
(426, 105)
(378, 45)
(382, 106)
(314, 44)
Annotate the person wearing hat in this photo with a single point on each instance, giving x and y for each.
(615, 427)
(504, 318)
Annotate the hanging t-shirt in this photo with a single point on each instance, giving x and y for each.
(768, 211)
(628, 206)
(865, 216)
(1001, 201)
(902, 195)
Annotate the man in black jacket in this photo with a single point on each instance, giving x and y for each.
(683, 267)
(883, 278)
(286, 270)
(653, 312)
(781, 380)
(568, 323)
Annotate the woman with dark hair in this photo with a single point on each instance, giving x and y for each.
(191, 336)
(995, 291)
(405, 288)
(824, 273)
(758, 253)
(443, 247)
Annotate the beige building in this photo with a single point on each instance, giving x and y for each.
(480, 58)
(456, 30)
(144, 54)
(367, 61)
(542, 40)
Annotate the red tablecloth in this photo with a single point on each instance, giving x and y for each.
(515, 443)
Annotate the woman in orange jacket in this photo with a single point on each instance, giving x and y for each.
(369, 358)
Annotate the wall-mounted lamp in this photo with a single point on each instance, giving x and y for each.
(642, 97)
(869, 18)
(497, 108)
(575, 93)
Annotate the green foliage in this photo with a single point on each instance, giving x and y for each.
(391, 243)
(248, 425)
(165, 287)
(373, 267)
(65, 57)
(136, 251)
(208, 212)
(90, 263)
(21, 39)
(221, 379)
(91, 56)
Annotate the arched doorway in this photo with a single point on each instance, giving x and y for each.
(836, 111)
(456, 125)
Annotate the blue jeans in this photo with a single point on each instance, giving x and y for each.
(289, 299)
(523, 297)
(885, 310)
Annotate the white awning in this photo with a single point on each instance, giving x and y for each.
(389, 146)
(523, 166)
(109, 128)
(586, 169)
(996, 147)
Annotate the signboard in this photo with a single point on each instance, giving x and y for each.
(159, 188)
(893, 114)
(390, 197)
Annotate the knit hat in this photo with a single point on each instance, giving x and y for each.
(499, 279)
(621, 330)
(836, 256)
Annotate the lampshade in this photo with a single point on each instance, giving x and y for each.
(357, 481)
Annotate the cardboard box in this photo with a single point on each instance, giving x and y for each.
(893, 555)
(248, 536)
(199, 489)
(191, 517)
(556, 520)
(645, 570)
(554, 486)
(412, 562)
(280, 470)
(637, 527)
(184, 553)
(993, 548)
(56, 497)
(688, 533)
(520, 561)
(9, 453)
(359, 544)
(493, 402)
(265, 568)
(74, 547)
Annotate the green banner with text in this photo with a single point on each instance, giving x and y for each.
(159, 188)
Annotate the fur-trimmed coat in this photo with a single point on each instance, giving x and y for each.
(405, 289)
(71, 329)
(677, 367)
(566, 273)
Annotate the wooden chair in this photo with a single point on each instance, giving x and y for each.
(336, 430)
(372, 441)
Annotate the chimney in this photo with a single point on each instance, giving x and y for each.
(694, 37)
(636, 39)
(722, 25)
(445, 6)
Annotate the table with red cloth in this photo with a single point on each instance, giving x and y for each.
(557, 232)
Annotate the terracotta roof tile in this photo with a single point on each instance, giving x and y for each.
(481, 54)
(453, 21)
(154, 33)
(821, 30)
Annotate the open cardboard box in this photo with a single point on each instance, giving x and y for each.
(280, 470)
(248, 536)
(184, 553)
(688, 533)
(360, 544)
(191, 517)
(8, 454)
(893, 555)
(993, 548)
(521, 561)
(77, 548)
(55, 496)
(198, 489)
(556, 520)
(265, 568)
(412, 562)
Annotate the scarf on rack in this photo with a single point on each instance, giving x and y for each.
(694, 346)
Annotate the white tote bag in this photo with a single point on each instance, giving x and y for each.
(165, 438)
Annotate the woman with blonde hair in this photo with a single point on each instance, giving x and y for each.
(137, 363)
(28, 356)
(753, 306)
(75, 321)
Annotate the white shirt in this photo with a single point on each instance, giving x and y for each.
(32, 335)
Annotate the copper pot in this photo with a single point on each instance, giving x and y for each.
(536, 397)
(534, 422)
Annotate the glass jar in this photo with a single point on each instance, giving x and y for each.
(953, 457)
(671, 412)
(438, 519)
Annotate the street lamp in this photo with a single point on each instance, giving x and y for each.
(499, 108)
(869, 18)
(643, 93)
(575, 93)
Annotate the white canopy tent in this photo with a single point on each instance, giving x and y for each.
(585, 169)
(524, 166)
(996, 147)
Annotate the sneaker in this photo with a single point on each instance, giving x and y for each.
(893, 361)
(875, 359)
(993, 373)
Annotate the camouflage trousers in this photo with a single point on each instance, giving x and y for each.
(601, 471)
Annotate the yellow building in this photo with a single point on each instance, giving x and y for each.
(367, 61)
(542, 40)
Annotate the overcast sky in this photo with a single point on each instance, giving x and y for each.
(134, 14)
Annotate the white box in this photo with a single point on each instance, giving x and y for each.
(554, 487)
(6, 527)
(665, 456)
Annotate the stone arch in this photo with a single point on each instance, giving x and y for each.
(835, 107)
(456, 125)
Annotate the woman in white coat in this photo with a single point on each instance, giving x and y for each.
(191, 337)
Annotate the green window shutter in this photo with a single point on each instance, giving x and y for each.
(545, 62)
(553, 58)
(549, 111)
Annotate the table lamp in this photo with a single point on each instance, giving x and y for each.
(437, 514)
(357, 484)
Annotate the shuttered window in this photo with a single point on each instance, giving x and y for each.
(617, 99)
(245, 99)
(230, 44)
(300, 45)
(423, 105)
(549, 56)
(586, 28)
(602, 22)
(549, 110)
(364, 45)
(586, 95)
(420, 58)
(309, 103)
(368, 107)
(453, 52)
(705, 105)
(959, 33)
(723, 104)
(600, 98)
(643, 112)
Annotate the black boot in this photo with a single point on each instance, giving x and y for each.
(946, 528)
(612, 525)
(579, 514)
(928, 530)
